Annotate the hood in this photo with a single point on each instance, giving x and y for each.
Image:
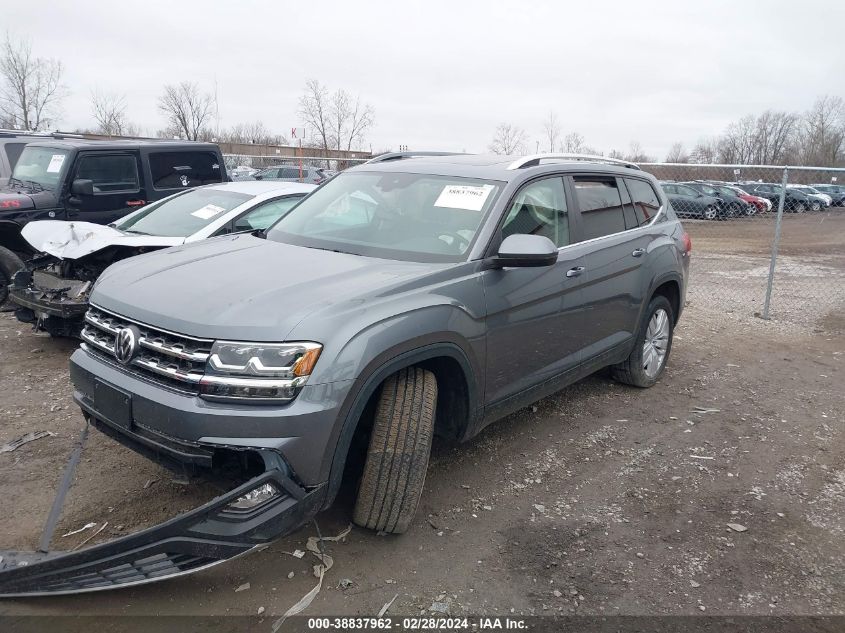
(14, 201)
(37, 198)
(72, 240)
(243, 287)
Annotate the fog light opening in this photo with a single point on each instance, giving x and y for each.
(254, 497)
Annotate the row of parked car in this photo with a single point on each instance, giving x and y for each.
(714, 200)
(288, 173)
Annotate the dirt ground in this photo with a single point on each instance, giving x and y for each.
(602, 499)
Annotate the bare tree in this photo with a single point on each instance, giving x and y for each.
(109, 112)
(338, 121)
(706, 151)
(821, 140)
(774, 137)
(636, 154)
(31, 88)
(551, 130)
(252, 133)
(187, 110)
(509, 139)
(573, 143)
(677, 153)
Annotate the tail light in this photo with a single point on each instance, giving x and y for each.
(685, 238)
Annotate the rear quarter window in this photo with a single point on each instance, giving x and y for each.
(177, 170)
(644, 198)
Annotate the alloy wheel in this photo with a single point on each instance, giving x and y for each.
(656, 343)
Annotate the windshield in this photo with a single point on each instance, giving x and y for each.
(41, 165)
(410, 217)
(184, 214)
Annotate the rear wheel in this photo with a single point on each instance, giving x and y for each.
(799, 207)
(9, 265)
(816, 206)
(647, 360)
(711, 213)
(397, 457)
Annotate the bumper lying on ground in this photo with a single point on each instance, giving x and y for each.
(211, 534)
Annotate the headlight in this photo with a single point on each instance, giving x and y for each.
(262, 372)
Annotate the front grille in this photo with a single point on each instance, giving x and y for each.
(169, 359)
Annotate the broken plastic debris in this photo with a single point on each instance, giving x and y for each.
(298, 553)
(24, 439)
(87, 526)
(78, 545)
(320, 570)
(387, 605)
(736, 527)
(242, 587)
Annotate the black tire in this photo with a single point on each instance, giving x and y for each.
(397, 457)
(631, 370)
(799, 207)
(816, 206)
(9, 265)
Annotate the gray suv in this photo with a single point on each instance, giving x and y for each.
(404, 298)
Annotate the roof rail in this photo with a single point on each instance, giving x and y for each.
(532, 160)
(389, 156)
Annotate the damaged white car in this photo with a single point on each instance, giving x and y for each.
(51, 292)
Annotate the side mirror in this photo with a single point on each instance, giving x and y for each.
(525, 251)
(82, 187)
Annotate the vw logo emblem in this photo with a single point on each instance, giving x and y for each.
(126, 344)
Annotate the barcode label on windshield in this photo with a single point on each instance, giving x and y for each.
(469, 197)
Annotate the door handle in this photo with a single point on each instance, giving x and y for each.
(575, 272)
(638, 252)
(135, 203)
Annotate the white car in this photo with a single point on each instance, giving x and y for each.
(813, 194)
(51, 292)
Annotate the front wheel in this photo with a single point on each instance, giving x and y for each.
(816, 206)
(711, 213)
(397, 457)
(647, 360)
(9, 265)
(799, 207)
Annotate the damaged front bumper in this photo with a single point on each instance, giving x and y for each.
(252, 514)
(50, 302)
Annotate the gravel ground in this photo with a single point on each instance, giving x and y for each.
(730, 268)
(602, 499)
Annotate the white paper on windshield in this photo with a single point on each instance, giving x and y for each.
(208, 211)
(469, 197)
(56, 163)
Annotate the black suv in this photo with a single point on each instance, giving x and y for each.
(401, 299)
(94, 181)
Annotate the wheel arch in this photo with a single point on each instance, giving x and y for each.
(668, 286)
(457, 406)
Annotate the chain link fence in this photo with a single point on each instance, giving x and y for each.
(768, 241)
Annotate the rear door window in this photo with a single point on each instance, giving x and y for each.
(111, 173)
(176, 170)
(644, 198)
(601, 206)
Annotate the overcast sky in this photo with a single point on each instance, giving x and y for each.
(442, 75)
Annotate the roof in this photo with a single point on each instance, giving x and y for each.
(73, 143)
(261, 187)
(483, 166)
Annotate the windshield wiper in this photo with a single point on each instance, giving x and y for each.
(133, 231)
(37, 186)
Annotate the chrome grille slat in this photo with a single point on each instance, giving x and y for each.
(164, 357)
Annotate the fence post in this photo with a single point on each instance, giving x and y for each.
(775, 244)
